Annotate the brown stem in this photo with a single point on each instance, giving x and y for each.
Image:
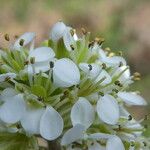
(54, 145)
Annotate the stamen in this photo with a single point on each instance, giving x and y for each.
(91, 44)
(72, 47)
(21, 42)
(6, 36)
(83, 31)
(72, 32)
(107, 49)
(7, 79)
(129, 117)
(101, 93)
(51, 63)
(90, 67)
(99, 41)
(104, 66)
(32, 60)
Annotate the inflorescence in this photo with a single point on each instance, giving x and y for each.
(71, 90)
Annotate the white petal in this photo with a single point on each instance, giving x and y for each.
(125, 77)
(68, 39)
(65, 73)
(13, 110)
(73, 134)
(92, 73)
(105, 75)
(7, 94)
(51, 124)
(96, 146)
(82, 113)
(114, 61)
(42, 54)
(27, 37)
(98, 136)
(7, 75)
(43, 66)
(102, 53)
(108, 109)
(57, 31)
(31, 120)
(114, 143)
(132, 98)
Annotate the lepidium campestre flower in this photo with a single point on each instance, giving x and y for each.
(70, 91)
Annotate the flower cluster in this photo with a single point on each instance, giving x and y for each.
(70, 90)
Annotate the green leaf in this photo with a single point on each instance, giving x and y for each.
(17, 141)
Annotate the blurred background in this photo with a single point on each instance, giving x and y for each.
(125, 25)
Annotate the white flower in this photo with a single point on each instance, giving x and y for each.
(27, 38)
(125, 77)
(42, 56)
(131, 98)
(46, 122)
(82, 113)
(57, 31)
(94, 71)
(108, 109)
(73, 134)
(60, 30)
(65, 73)
(6, 76)
(13, 107)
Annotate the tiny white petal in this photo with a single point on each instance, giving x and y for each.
(7, 94)
(7, 75)
(96, 146)
(27, 37)
(114, 143)
(73, 134)
(13, 110)
(132, 98)
(68, 39)
(114, 61)
(108, 109)
(105, 75)
(95, 69)
(31, 120)
(98, 136)
(42, 54)
(57, 31)
(82, 113)
(65, 73)
(51, 124)
(102, 53)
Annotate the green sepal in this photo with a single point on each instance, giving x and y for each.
(17, 141)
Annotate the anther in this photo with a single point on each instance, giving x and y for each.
(101, 93)
(21, 42)
(32, 60)
(120, 64)
(6, 36)
(115, 90)
(111, 54)
(107, 49)
(72, 47)
(90, 67)
(91, 44)
(72, 32)
(104, 66)
(132, 144)
(7, 78)
(129, 117)
(83, 31)
(144, 143)
(51, 63)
